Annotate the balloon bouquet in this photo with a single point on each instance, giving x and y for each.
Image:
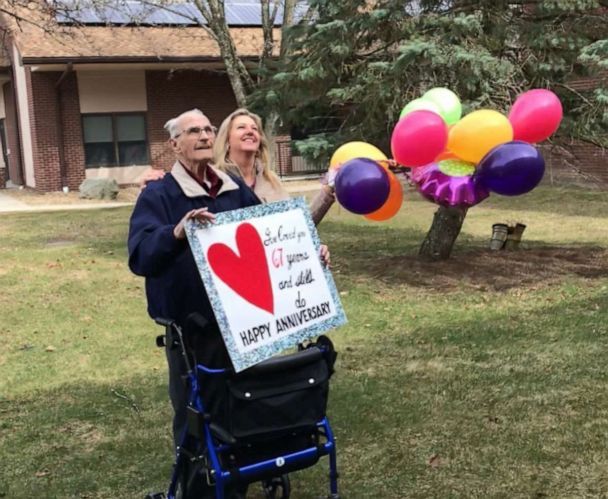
(455, 161)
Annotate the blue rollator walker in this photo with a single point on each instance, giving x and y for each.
(254, 426)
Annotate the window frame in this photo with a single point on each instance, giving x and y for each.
(115, 142)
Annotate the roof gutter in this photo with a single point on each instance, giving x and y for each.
(39, 61)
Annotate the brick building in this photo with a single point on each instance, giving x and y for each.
(578, 162)
(90, 100)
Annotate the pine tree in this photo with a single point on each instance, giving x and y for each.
(355, 63)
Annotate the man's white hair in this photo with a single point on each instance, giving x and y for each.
(173, 127)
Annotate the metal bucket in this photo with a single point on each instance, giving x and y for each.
(514, 236)
(499, 236)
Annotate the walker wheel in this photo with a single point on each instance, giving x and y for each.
(275, 486)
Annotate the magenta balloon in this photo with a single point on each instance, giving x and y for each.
(511, 169)
(362, 186)
(535, 115)
(418, 138)
(443, 189)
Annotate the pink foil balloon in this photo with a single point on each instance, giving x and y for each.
(535, 115)
(448, 191)
(418, 138)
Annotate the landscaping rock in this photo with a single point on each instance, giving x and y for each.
(99, 188)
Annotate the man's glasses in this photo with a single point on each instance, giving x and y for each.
(196, 131)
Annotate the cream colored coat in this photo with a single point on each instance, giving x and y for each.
(267, 192)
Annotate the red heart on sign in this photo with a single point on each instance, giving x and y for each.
(247, 273)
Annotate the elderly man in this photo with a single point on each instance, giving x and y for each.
(158, 249)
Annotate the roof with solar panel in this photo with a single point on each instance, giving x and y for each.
(238, 13)
(124, 30)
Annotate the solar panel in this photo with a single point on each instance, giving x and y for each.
(120, 12)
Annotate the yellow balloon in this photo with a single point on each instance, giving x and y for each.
(477, 133)
(352, 150)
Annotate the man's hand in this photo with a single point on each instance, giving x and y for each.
(150, 175)
(324, 254)
(201, 214)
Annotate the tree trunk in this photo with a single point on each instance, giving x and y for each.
(215, 15)
(273, 118)
(233, 72)
(240, 78)
(288, 15)
(268, 19)
(270, 128)
(440, 239)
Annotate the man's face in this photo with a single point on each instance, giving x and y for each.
(194, 143)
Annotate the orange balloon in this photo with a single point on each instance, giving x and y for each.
(478, 133)
(392, 205)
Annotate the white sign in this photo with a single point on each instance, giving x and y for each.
(266, 283)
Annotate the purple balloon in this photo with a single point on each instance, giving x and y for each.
(446, 190)
(362, 186)
(511, 169)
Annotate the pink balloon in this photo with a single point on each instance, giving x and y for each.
(535, 115)
(418, 138)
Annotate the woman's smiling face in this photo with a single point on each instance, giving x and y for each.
(244, 135)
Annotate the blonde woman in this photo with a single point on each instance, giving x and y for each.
(241, 148)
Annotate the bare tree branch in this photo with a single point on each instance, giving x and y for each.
(193, 19)
(275, 10)
(575, 92)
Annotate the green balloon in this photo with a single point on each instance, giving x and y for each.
(448, 103)
(420, 104)
(456, 167)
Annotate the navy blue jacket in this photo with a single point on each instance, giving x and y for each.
(174, 288)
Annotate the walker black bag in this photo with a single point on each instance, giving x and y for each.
(280, 396)
(280, 401)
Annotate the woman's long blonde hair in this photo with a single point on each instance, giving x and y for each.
(221, 148)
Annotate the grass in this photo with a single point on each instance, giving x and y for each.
(483, 376)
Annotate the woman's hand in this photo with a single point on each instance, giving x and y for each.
(201, 214)
(324, 254)
(330, 190)
(150, 175)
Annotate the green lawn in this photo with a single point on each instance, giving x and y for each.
(482, 376)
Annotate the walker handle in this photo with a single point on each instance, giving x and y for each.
(161, 321)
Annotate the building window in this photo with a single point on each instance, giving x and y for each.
(115, 140)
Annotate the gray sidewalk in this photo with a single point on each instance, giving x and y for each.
(11, 204)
